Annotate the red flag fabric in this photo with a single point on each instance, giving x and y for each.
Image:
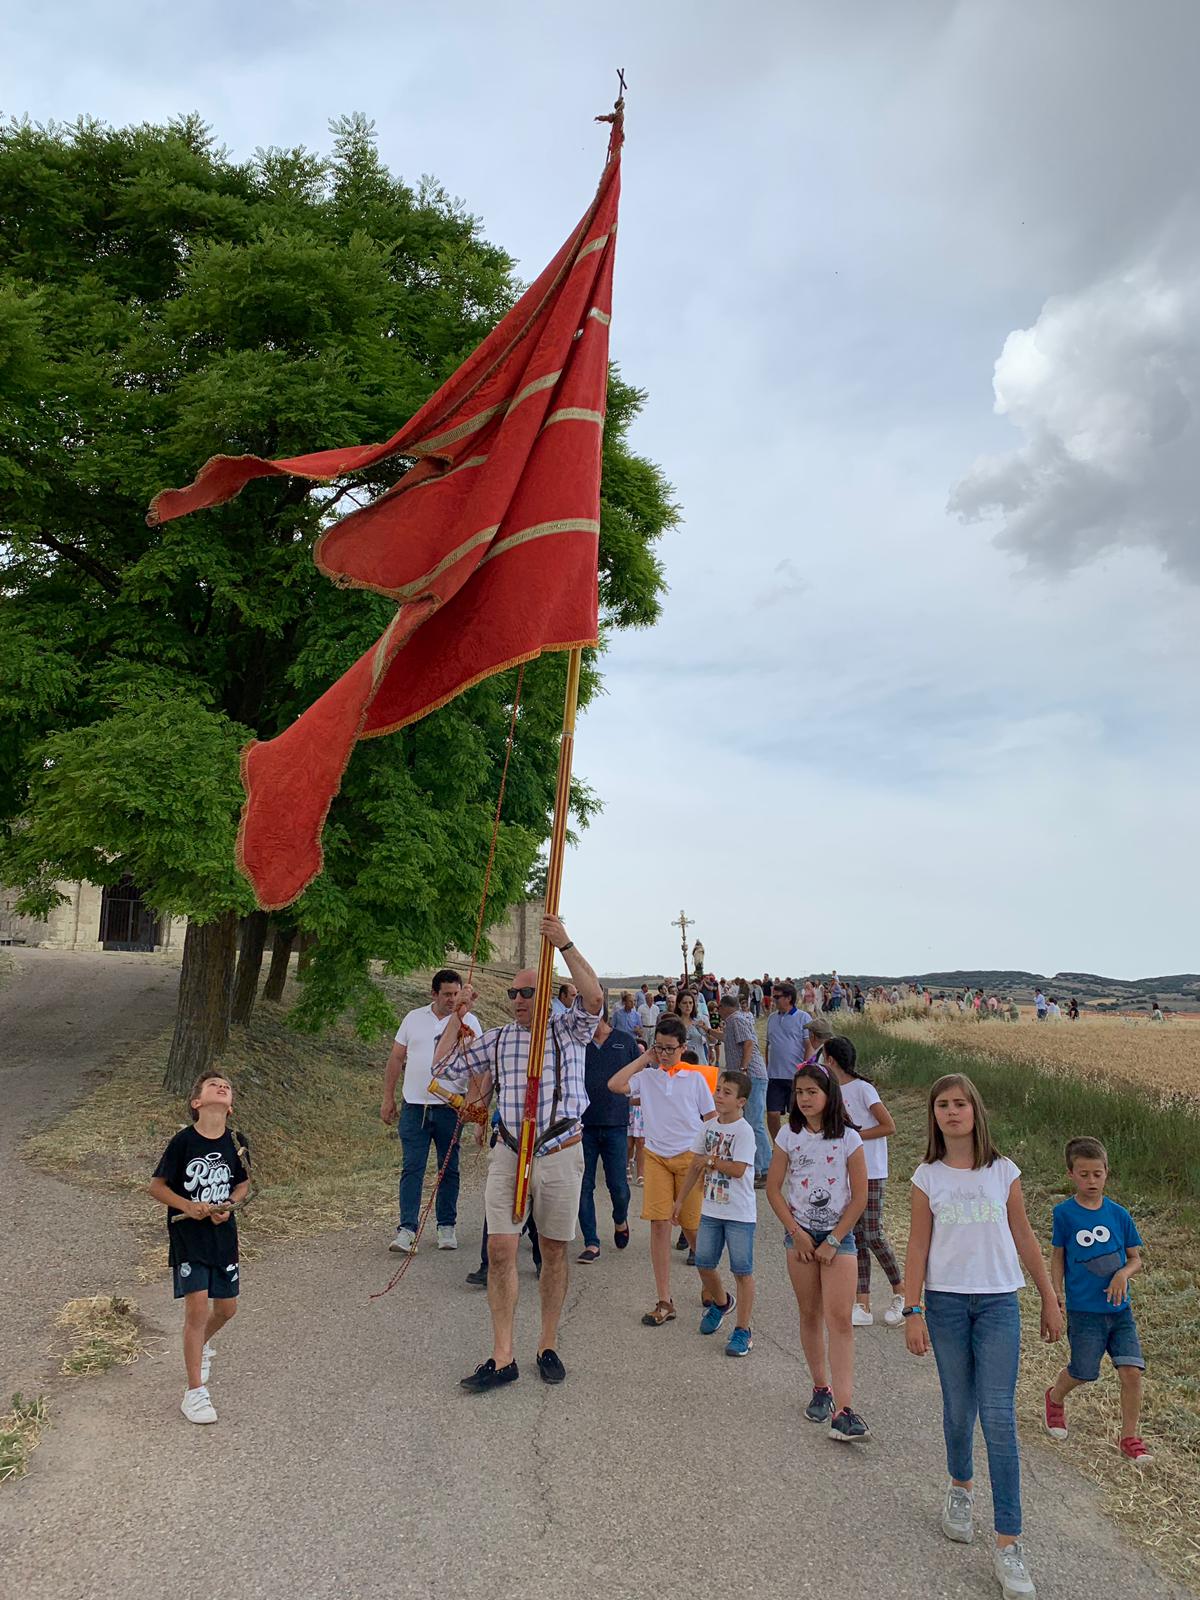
(488, 544)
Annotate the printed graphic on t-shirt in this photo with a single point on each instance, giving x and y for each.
(207, 1178)
(809, 1188)
(966, 1205)
(717, 1184)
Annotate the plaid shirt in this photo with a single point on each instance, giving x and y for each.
(504, 1052)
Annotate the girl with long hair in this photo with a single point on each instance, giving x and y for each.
(817, 1187)
(968, 1241)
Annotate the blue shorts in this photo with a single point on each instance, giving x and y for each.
(1094, 1334)
(848, 1246)
(714, 1234)
(195, 1277)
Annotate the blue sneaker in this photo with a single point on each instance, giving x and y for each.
(848, 1426)
(741, 1342)
(820, 1407)
(715, 1315)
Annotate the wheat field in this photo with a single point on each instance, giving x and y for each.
(1161, 1057)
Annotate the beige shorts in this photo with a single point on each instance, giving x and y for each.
(554, 1187)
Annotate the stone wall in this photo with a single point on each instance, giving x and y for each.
(514, 940)
(75, 924)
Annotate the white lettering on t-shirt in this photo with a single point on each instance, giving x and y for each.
(208, 1178)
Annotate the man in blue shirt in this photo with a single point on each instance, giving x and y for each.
(605, 1129)
(1097, 1249)
(787, 1047)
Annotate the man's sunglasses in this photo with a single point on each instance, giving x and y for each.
(526, 991)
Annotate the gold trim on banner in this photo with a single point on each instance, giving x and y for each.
(540, 530)
(574, 414)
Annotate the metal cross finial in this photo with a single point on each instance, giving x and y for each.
(683, 922)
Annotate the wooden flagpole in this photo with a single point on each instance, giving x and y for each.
(541, 999)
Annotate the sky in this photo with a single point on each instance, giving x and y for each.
(915, 294)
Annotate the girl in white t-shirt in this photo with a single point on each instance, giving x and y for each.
(874, 1122)
(968, 1241)
(817, 1187)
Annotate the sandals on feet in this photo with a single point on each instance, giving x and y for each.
(664, 1311)
(589, 1252)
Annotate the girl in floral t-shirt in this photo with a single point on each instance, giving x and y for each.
(817, 1187)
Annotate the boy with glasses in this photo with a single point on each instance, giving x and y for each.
(675, 1106)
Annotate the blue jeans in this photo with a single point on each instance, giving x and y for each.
(756, 1116)
(714, 1234)
(421, 1126)
(607, 1145)
(976, 1341)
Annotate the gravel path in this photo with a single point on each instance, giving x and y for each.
(347, 1462)
(62, 1015)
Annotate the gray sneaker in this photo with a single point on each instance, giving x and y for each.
(1008, 1563)
(956, 1514)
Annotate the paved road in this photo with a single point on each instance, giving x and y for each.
(62, 1015)
(347, 1462)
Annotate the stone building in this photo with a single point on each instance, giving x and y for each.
(94, 918)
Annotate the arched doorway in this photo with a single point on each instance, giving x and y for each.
(126, 922)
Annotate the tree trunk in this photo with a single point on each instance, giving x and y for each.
(282, 942)
(249, 965)
(308, 943)
(202, 1014)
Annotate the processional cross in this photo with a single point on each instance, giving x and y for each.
(683, 923)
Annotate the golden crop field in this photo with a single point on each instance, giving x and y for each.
(1160, 1056)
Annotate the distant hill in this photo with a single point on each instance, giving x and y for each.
(1181, 990)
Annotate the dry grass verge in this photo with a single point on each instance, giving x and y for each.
(104, 1332)
(20, 1431)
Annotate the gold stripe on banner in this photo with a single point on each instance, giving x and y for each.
(540, 530)
(418, 585)
(428, 447)
(440, 477)
(536, 387)
(574, 414)
(595, 244)
(600, 316)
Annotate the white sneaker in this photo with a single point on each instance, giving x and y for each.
(206, 1361)
(197, 1407)
(862, 1319)
(1008, 1563)
(405, 1243)
(958, 1514)
(894, 1315)
(447, 1239)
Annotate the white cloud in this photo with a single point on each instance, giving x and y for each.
(1104, 387)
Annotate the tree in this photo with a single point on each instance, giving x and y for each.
(160, 302)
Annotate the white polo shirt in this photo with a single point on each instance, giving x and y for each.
(419, 1033)
(674, 1106)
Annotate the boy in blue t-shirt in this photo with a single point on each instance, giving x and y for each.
(1097, 1249)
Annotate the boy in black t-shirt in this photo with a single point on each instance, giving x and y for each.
(201, 1174)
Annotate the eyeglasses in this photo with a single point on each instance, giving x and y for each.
(526, 991)
(667, 1049)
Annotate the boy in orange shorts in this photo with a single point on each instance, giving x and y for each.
(675, 1106)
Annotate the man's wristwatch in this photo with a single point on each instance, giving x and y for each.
(913, 1311)
(563, 948)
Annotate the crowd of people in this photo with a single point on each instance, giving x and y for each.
(675, 1092)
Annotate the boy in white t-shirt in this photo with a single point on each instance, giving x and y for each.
(675, 1105)
(724, 1154)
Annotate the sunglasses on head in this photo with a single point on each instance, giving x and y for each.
(526, 991)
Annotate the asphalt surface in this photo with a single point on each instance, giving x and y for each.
(347, 1462)
(63, 1015)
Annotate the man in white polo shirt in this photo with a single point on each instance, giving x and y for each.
(424, 1118)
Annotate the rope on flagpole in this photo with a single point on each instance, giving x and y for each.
(483, 900)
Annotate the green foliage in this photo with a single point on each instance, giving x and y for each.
(159, 303)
